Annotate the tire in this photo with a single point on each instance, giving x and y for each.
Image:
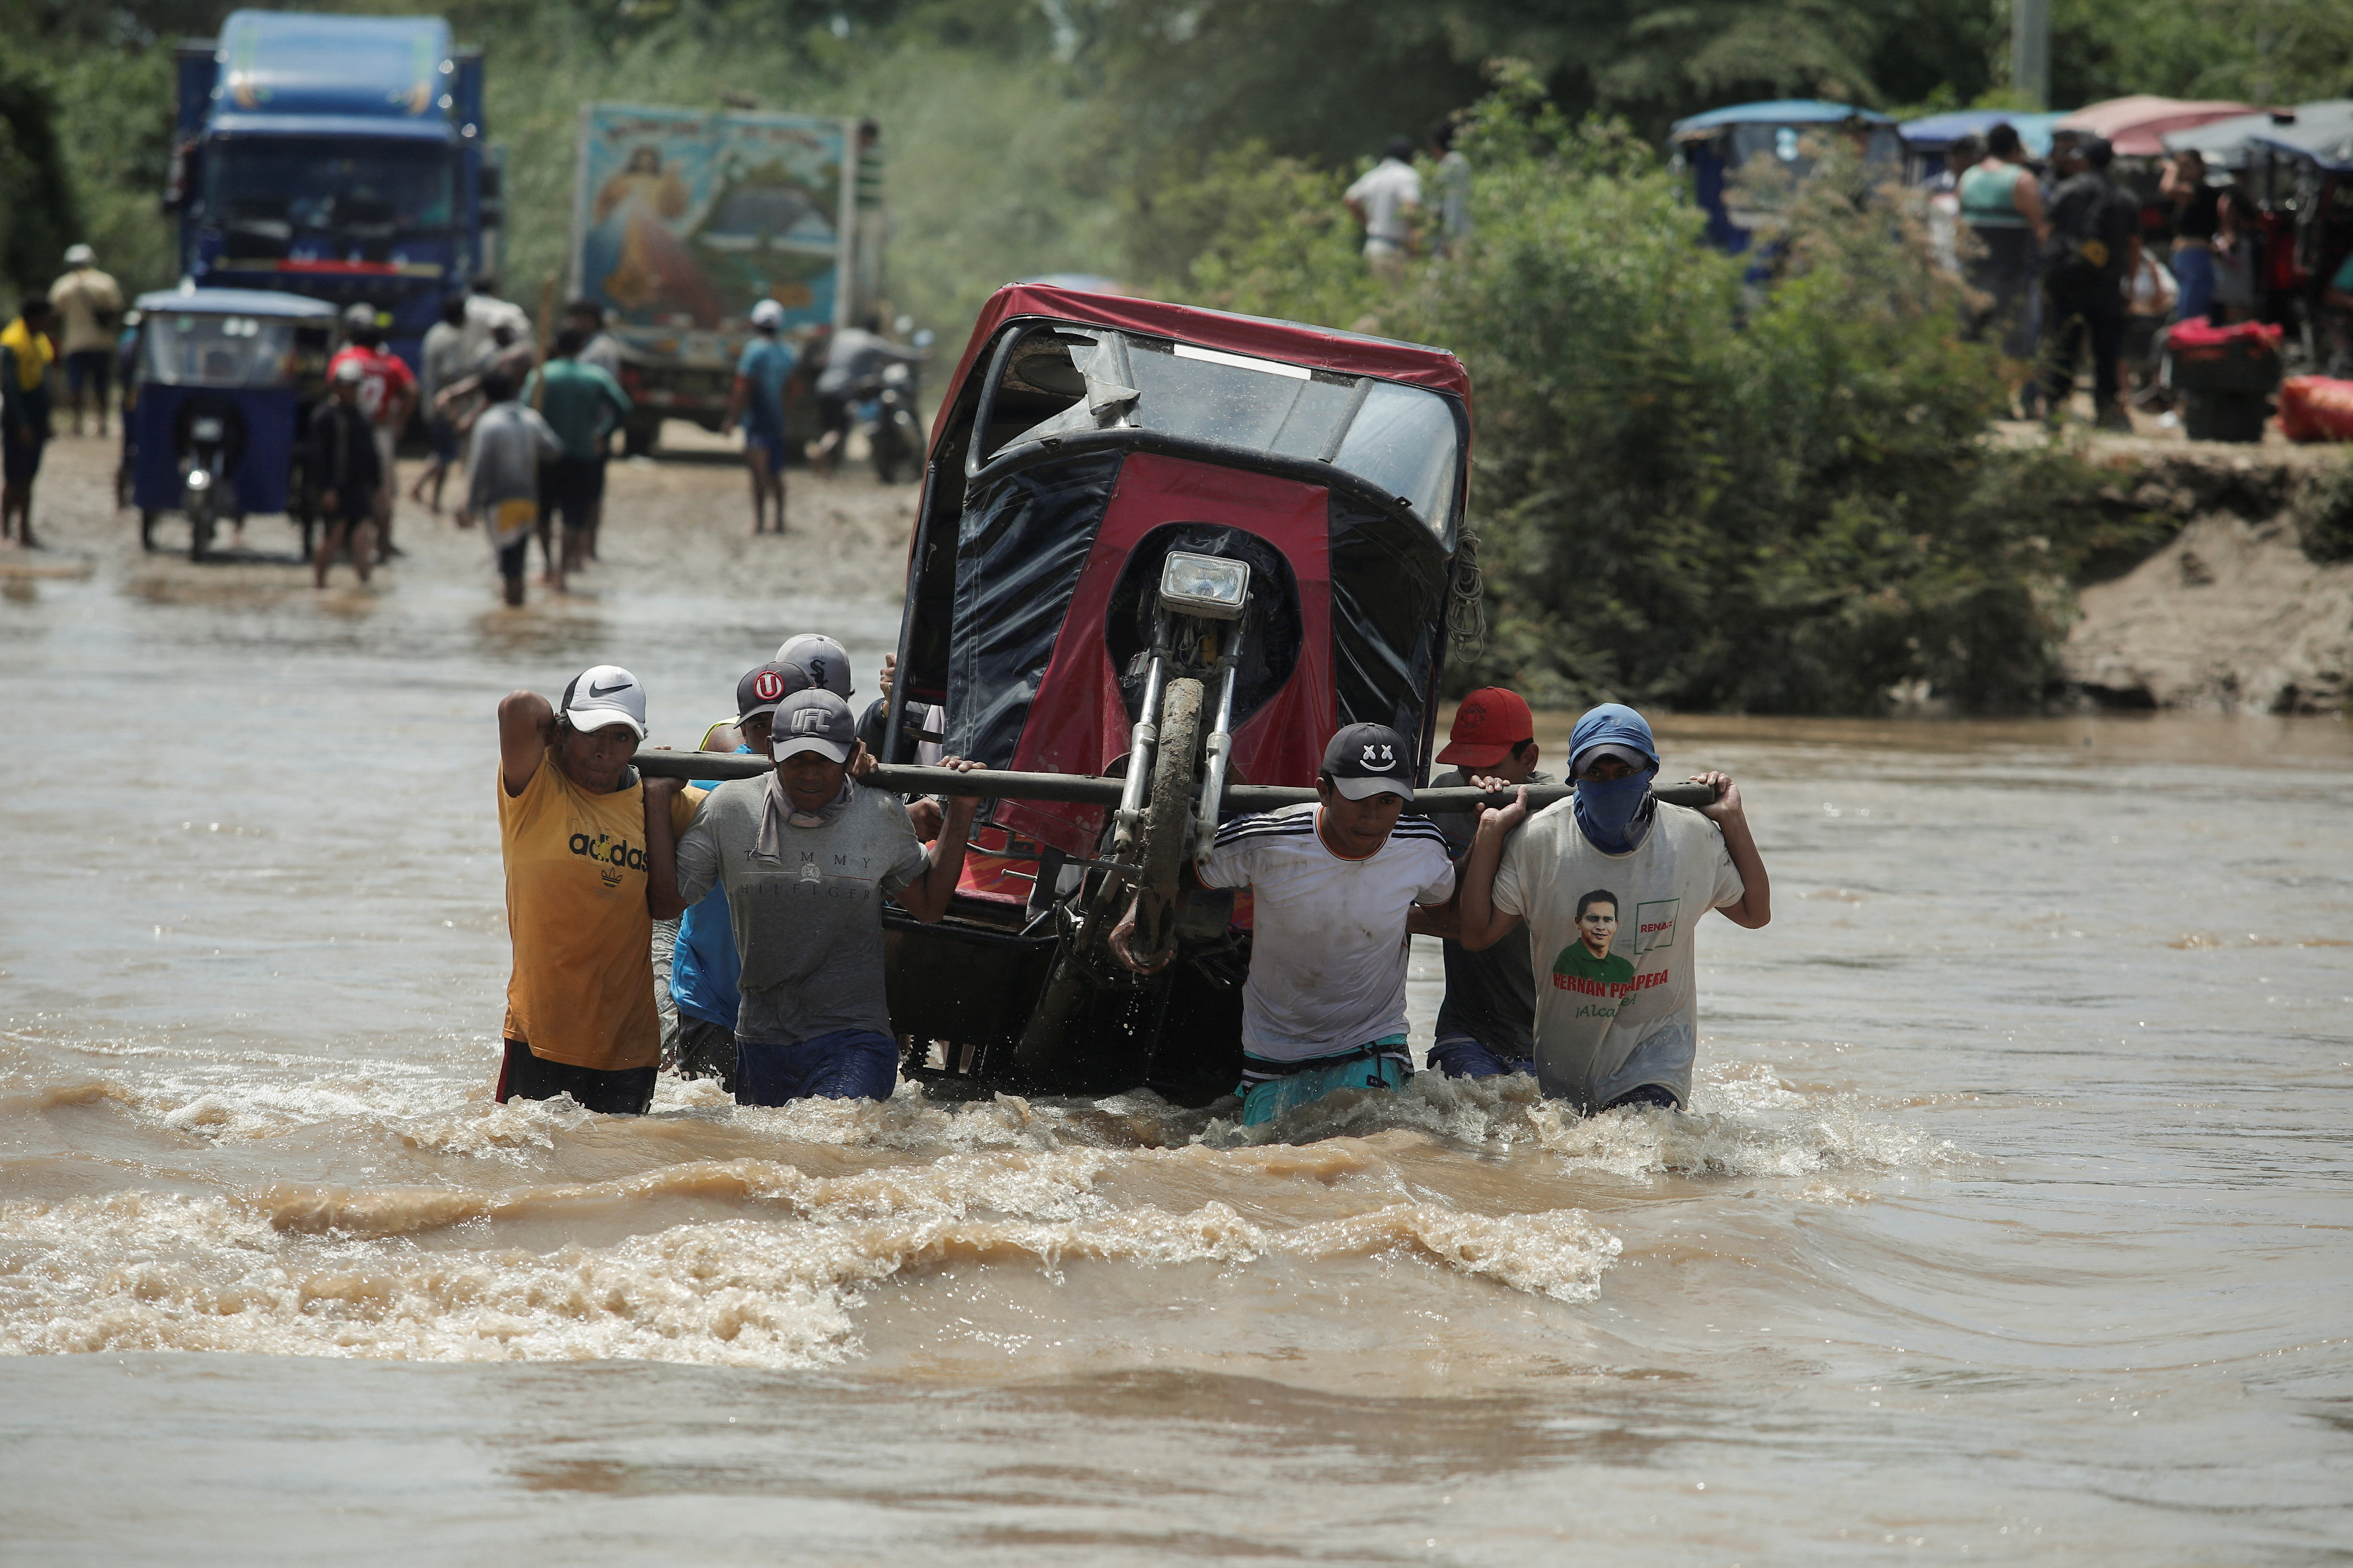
(147, 515)
(1167, 819)
(310, 538)
(640, 437)
(200, 534)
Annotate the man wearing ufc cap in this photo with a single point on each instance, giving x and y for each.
(1334, 884)
(587, 853)
(1486, 1026)
(807, 857)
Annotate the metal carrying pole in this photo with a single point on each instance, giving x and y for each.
(1078, 790)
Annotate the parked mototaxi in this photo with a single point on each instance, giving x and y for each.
(1163, 554)
(1713, 148)
(226, 380)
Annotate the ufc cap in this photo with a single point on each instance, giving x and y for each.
(1366, 760)
(605, 696)
(813, 721)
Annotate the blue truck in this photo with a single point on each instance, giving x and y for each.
(342, 158)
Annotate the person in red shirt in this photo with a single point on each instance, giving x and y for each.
(387, 394)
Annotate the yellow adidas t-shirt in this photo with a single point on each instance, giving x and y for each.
(583, 987)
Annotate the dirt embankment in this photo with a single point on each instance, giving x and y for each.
(2247, 606)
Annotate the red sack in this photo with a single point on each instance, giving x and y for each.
(2315, 408)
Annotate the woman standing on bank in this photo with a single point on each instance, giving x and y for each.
(2002, 205)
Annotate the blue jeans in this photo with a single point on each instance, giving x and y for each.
(848, 1064)
(1458, 1055)
(2193, 269)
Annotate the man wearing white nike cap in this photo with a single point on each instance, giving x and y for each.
(587, 848)
(807, 857)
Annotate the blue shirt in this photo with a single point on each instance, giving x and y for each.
(704, 968)
(765, 366)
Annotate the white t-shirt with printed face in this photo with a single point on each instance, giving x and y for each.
(1617, 1002)
(1328, 952)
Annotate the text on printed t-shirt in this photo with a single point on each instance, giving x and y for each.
(610, 855)
(1615, 989)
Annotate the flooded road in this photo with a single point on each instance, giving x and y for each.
(2013, 1219)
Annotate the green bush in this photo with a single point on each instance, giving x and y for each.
(1693, 491)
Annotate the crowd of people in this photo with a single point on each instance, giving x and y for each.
(2068, 263)
(770, 980)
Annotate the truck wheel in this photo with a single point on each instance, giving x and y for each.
(1167, 819)
(640, 437)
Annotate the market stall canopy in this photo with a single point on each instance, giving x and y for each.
(2322, 132)
(1938, 131)
(2135, 126)
(1772, 112)
(2225, 141)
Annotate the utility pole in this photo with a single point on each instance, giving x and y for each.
(2030, 51)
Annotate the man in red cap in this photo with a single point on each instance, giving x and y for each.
(1486, 1026)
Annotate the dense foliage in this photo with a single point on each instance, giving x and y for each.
(1690, 490)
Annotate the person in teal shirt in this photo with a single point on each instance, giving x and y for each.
(758, 398)
(583, 404)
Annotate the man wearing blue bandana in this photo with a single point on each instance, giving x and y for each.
(1611, 886)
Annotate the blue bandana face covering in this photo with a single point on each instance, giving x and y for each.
(1614, 815)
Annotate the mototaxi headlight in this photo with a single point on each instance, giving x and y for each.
(1208, 585)
(199, 479)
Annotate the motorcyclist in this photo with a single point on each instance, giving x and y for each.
(854, 360)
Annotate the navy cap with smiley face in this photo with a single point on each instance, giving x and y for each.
(1366, 760)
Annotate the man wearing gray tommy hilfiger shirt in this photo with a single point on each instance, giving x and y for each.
(808, 857)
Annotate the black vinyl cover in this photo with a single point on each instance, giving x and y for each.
(1020, 550)
(1389, 603)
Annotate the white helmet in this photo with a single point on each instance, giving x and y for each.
(767, 314)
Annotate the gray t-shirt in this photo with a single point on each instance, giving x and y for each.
(1491, 995)
(809, 927)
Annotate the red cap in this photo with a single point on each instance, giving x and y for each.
(1490, 723)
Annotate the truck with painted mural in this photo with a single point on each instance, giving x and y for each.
(683, 219)
(341, 158)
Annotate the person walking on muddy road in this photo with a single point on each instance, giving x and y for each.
(343, 464)
(1612, 886)
(25, 355)
(757, 399)
(587, 850)
(89, 308)
(388, 392)
(583, 406)
(507, 450)
(441, 362)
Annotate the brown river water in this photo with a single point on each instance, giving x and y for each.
(2013, 1219)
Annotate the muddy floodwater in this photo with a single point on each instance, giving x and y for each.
(2013, 1219)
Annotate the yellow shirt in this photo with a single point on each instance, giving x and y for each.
(583, 987)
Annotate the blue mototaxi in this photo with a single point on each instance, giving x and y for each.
(1717, 145)
(227, 379)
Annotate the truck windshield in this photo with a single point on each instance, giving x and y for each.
(188, 349)
(368, 189)
(1403, 439)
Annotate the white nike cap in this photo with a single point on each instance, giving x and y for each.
(825, 662)
(603, 696)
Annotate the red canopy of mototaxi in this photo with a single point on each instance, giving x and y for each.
(2135, 126)
(1319, 348)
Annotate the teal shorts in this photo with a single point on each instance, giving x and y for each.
(1270, 1087)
